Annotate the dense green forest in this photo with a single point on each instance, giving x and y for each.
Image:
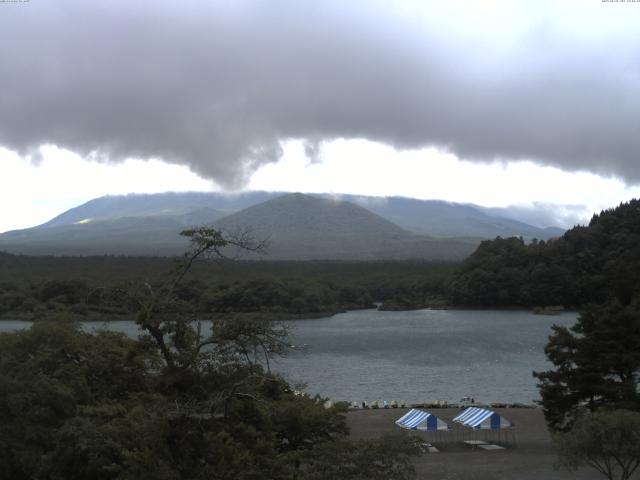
(93, 287)
(588, 264)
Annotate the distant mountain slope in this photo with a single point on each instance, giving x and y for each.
(148, 224)
(157, 204)
(540, 215)
(445, 219)
(297, 226)
(430, 217)
(303, 217)
(142, 235)
(305, 227)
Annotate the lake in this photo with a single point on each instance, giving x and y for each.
(423, 355)
(416, 356)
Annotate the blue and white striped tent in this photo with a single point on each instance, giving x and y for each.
(416, 419)
(482, 419)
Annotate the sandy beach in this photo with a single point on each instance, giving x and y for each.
(533, 457)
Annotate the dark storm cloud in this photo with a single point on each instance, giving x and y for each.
(218, 85)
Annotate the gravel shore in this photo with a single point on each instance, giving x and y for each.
(532, 458)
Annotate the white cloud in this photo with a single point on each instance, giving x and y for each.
(32, 193)
(366, 168)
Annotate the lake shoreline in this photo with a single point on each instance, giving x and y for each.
(103, 318)
(273, 316)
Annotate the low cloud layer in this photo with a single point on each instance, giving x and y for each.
(218, 85)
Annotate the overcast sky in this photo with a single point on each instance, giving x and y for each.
(490, 102)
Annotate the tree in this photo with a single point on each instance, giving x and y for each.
(53, 375)
(597, 362)
(607, 440)
(177, 333)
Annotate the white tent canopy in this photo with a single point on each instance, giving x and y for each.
(482, 419)
(416, 419)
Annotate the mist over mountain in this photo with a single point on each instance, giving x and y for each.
(445, 219)
(317, 226)
(543, 215)
(157, 205)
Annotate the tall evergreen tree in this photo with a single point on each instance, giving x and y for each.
(597, 363)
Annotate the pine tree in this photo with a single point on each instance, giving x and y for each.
(597, 363)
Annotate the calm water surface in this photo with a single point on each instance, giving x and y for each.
(422, 355)
(414, 356)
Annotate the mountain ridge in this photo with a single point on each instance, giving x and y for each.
(387, 207)
(305, 227)
(148, 224)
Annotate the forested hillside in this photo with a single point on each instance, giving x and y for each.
(586, 265)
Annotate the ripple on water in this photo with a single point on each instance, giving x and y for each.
(422, 355)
